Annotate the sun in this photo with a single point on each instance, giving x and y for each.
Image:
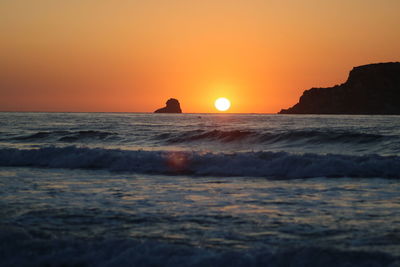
(222, 104)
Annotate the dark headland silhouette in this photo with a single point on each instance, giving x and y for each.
(172, 106)
(370, 89)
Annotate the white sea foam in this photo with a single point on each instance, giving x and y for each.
(281, 165)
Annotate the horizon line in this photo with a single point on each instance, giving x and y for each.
(137, 112)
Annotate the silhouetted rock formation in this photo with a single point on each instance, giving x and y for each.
(173, 106)
(370, 89)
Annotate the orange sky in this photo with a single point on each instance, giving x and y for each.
(131, 55)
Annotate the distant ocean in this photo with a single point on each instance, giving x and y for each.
(115, 189)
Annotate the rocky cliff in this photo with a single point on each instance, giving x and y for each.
(370, 89)
(172, 106)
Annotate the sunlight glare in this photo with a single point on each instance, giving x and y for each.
(222, 104)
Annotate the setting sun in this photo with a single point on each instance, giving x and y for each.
(222, 104)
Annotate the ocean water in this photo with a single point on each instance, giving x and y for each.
(113, 189)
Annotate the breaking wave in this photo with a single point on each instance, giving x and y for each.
(65, 136)
(280, 165)
(308, 136)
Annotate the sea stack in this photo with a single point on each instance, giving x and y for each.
(172, 106)
(369, 89)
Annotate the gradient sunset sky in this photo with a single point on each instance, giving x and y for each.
(131, 56)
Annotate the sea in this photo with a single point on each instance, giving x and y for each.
(142, 189)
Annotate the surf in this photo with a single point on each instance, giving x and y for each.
(277, 165)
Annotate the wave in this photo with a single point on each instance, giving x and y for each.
(279, 165)
(22, 249)
(65, 136)
(302, 137)
(75, 136)
(308, 136)
(198, 135)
